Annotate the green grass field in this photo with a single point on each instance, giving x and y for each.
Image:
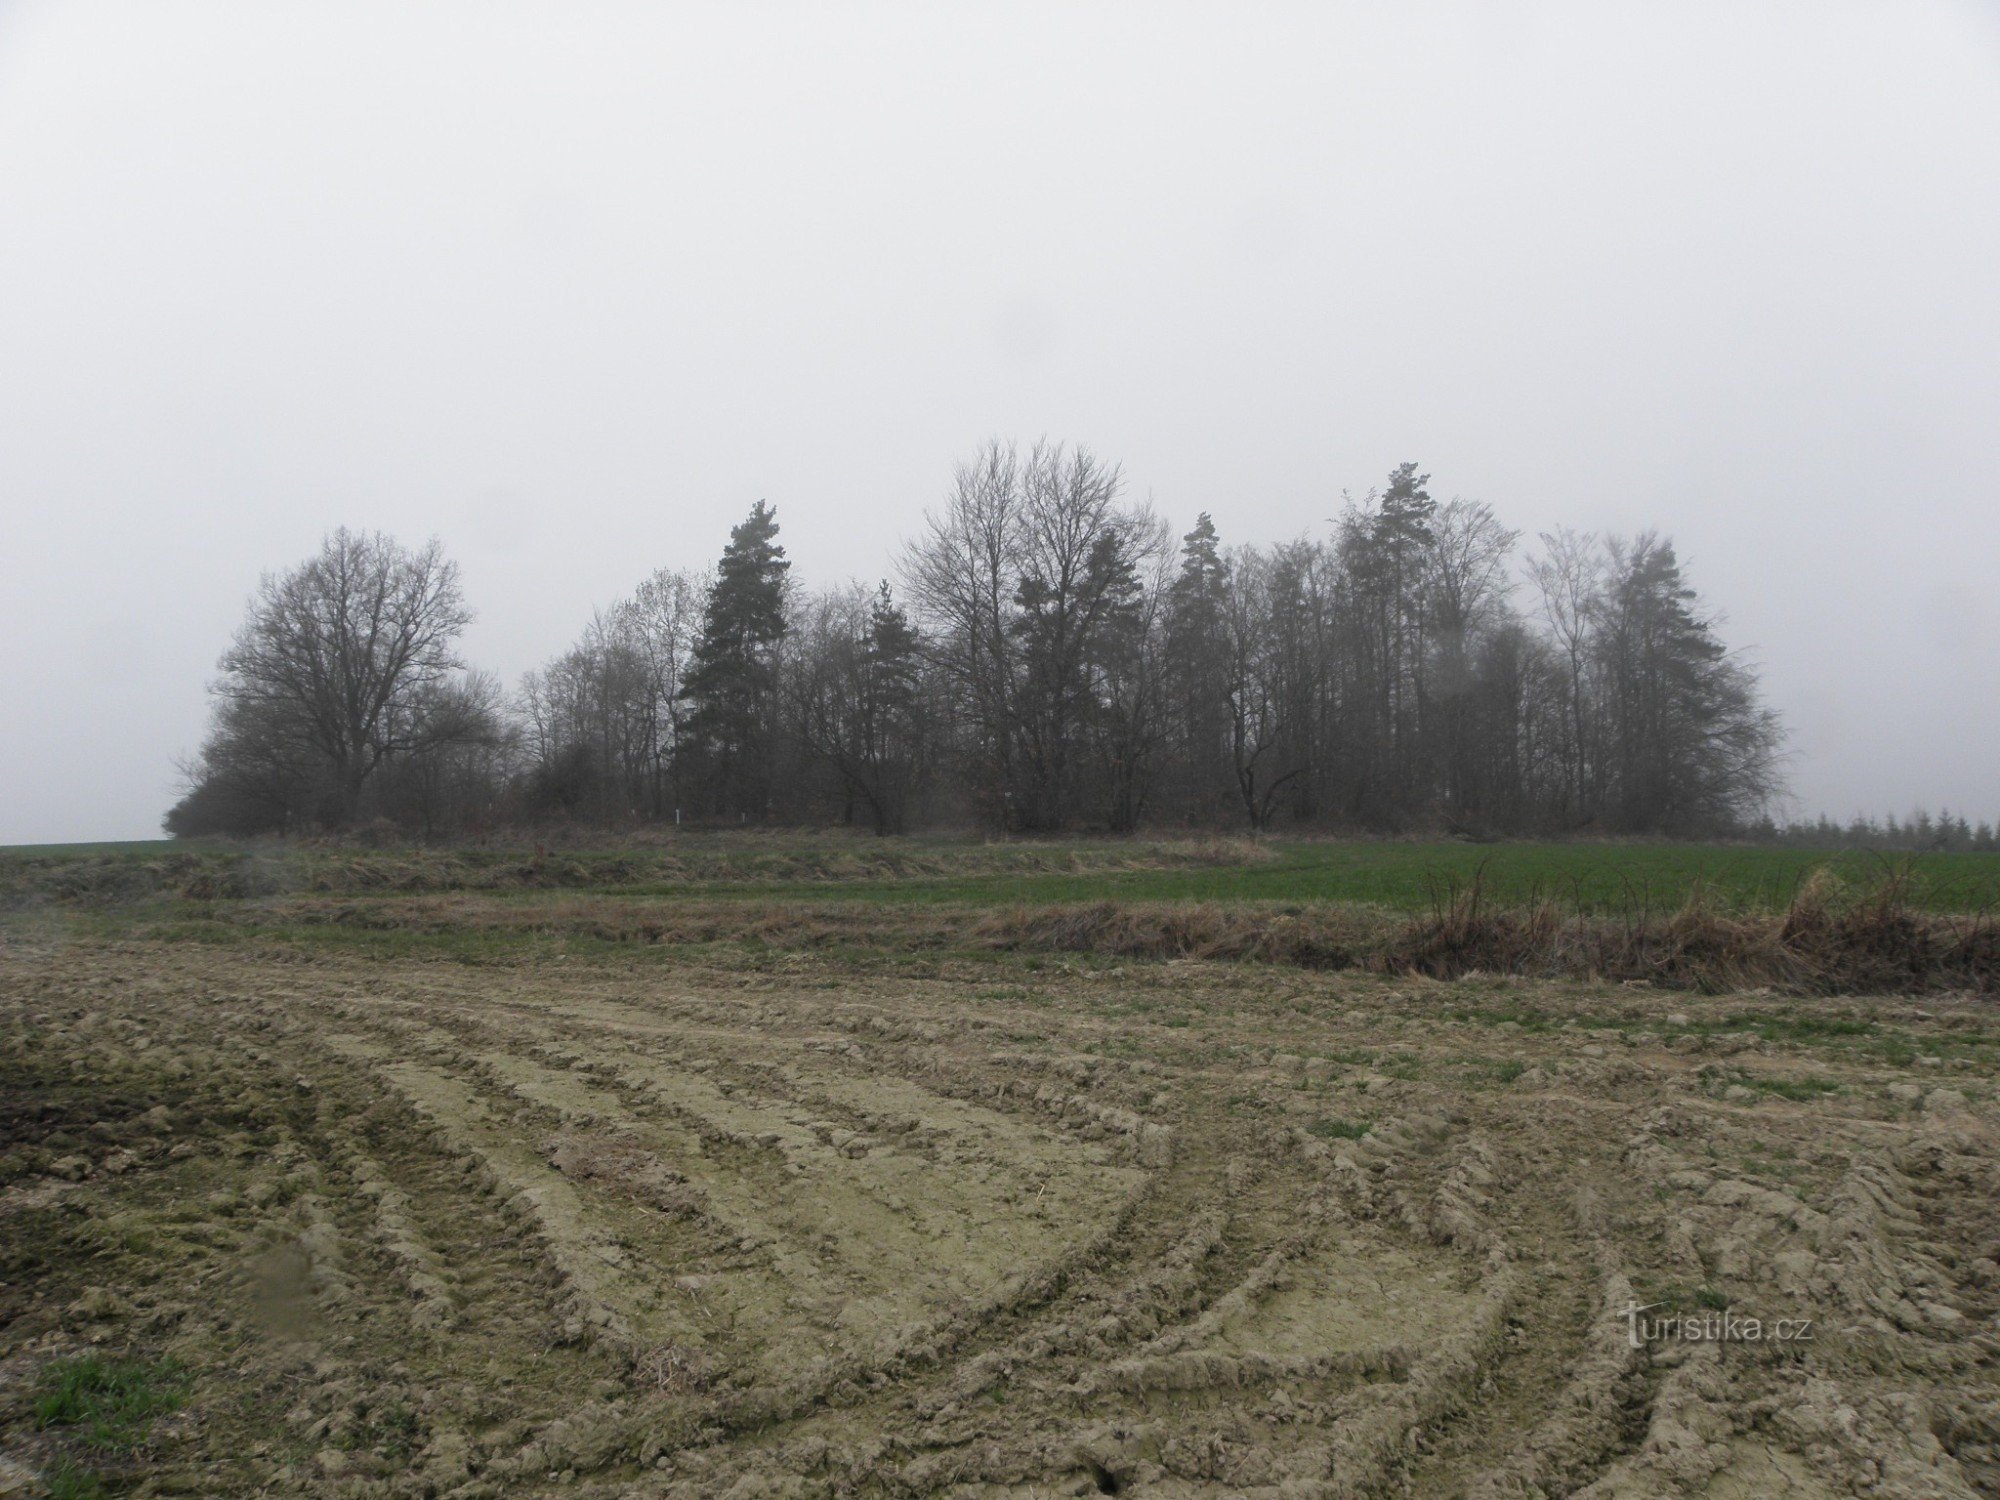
(1402, 876)
(1412, 877)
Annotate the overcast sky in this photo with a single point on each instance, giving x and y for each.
(572, 285)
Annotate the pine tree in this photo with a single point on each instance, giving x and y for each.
(1198, 661)
(1694, 748)
(732, 681)
(892, 659)
(892, 737)
(1384, 551)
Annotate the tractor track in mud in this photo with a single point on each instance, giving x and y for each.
(1178, 1230)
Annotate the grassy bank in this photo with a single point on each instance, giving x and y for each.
(1403, 876)
(1709, 917)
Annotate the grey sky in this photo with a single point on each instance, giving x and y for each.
(571, 286)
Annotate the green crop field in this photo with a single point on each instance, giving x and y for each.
(1402, 876)
(1589, 877)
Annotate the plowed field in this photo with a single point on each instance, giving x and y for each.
(709, 1228)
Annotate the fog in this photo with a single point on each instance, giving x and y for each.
(572, 286)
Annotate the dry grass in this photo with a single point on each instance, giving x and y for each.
(1326, 938)
(1874, 935)
(671, 1370)
(1831, 940)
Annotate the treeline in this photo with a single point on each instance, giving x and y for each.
(1049, 657)
(1919, 833)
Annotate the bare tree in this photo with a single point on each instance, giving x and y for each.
(1265, 751)
(960, 574)
(1028, 577)
(603, 722)
(461, 759)
(1568, 578)
(339, 655)
(664, 616)
(1466, 586)
(856, 702)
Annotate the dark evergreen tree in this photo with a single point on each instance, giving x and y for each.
(1692, 747)
(1401, 538)
(1122, 717)
(888, 759)
(732, 682)
(854, 691)
(1198, 676)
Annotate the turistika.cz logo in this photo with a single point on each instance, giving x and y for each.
(1723, 1327)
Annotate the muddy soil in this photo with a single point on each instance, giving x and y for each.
(708, 1228)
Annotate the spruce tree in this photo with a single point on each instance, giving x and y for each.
(1693, 746)
(733, 678)
(891, 695)
(1198, 663)
(891, 713)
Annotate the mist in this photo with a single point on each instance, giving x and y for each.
(572, 288)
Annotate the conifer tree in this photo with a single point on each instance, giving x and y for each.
(732, 682)
(1198, 661)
